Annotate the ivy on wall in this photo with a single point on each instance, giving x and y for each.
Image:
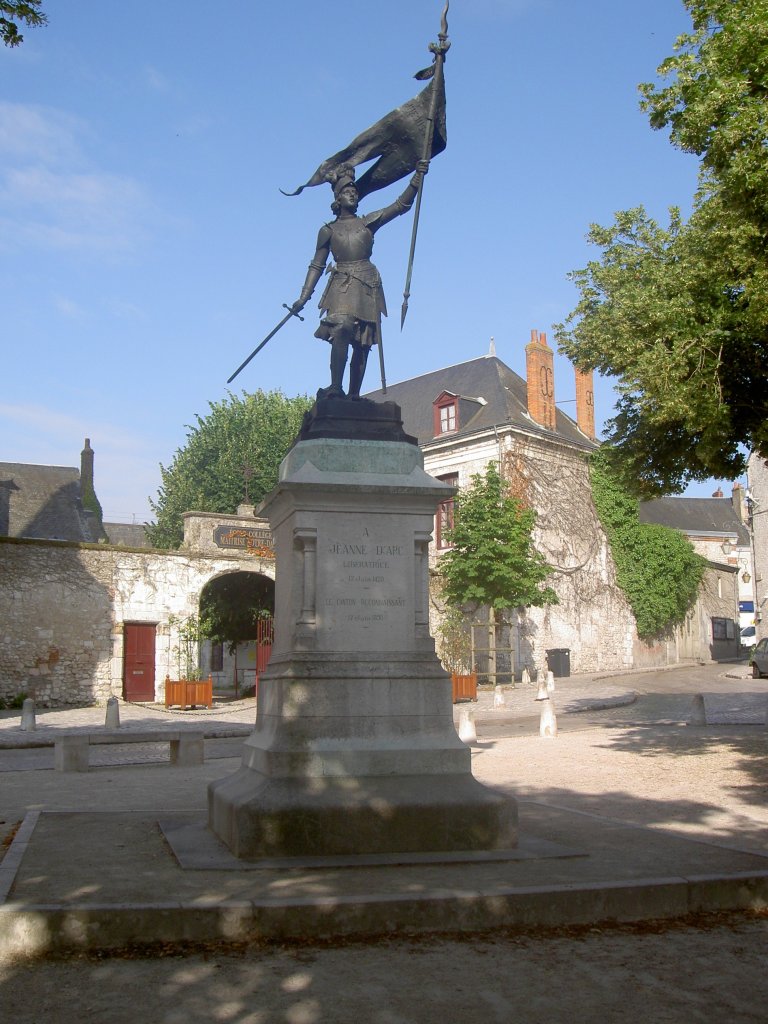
(656, 567)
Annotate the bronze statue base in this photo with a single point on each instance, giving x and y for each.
(353, 419)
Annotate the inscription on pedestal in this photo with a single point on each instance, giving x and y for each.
(365, 587)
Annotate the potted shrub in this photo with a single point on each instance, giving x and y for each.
(455, 650)
(188, 690)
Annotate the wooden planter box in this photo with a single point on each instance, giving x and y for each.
(464, 687)
(189, 692)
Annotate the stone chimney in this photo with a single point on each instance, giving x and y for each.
(739, 502)
(585, 402)
(718, 493)
(540, 363)
(86, 468)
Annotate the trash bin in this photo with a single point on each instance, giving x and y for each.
(559, 662)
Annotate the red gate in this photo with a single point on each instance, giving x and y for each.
(265, 636)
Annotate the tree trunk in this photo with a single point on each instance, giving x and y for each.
(492, 644)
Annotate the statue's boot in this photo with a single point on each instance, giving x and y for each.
(338, 364)
(357, 369)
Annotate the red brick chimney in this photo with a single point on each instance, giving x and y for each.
(540, 363)
(585, 402)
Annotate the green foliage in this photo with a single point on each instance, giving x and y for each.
(454, 641)
(656, 567)
(15, 703)
(680, 314)
(14, 11)
(230, 606)
(493, 561)
(716, 99)
(207, 474)
(187, 651)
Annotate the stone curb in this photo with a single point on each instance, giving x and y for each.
(29, 931)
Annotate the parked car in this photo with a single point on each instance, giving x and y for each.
(758, 659)
(748, 637)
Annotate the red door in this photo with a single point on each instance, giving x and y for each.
(139, 662)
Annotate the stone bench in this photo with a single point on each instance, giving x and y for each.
(71, 752)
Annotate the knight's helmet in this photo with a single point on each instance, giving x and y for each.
(340, 177)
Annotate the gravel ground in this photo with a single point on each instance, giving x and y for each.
(708, 783)
(710, 972)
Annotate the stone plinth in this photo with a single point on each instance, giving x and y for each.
(355, 750)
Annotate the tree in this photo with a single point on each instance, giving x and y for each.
(230, 606)
(493, 560)
(236, 448)
(680, 313)
(14, 11)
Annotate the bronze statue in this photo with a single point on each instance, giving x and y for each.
(352, 304)
(353, 301)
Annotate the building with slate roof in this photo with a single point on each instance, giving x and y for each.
(467, 415)
(44, 502)
(718, 529)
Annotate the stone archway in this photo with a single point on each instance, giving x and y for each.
(241, 604)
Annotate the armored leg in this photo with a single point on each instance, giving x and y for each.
(357, 369)
(339, 350)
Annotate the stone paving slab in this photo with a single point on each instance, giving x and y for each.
(100, 880)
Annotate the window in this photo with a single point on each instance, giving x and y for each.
(444, 517)
(446, 413)
(448, 418)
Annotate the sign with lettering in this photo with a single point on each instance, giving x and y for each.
(254, 540)
(364, 586)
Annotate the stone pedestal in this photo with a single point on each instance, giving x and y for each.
(354, 749)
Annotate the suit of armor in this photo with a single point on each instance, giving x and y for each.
(353, 301)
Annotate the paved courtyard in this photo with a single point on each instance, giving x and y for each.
(640, 762)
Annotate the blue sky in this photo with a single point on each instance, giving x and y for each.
(145, 247)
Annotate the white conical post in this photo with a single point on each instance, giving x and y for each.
(542, 693)
(498, 698)
(467, 730)
(28, 723)
(547, 721)
(112, 717)
(551, 682)
(526, 677)
(698, 711)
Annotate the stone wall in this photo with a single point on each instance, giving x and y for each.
(63, 607)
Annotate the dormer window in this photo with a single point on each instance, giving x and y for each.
(448, 418)
(446, 411)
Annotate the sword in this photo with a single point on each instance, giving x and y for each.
(271, 334)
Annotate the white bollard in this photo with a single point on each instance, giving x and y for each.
(467, 730)
(498, 698)
(698, 711)
(551, 682)
(548, 721)
(526, 677)
(112, 717)
(28, 723)
(542, 693)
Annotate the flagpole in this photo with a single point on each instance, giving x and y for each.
(439, 49)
